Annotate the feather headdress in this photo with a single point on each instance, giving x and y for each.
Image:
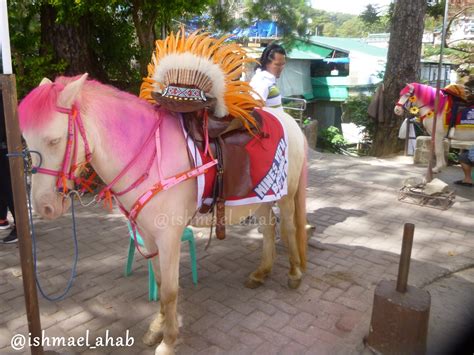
(188, 72)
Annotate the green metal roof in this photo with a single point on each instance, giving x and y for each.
(330, 88)
(349, 44)
(306, 50)
(299, 54)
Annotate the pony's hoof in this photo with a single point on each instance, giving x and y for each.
(253, 284)
(164, 349)
(294, 284)
(152, 338)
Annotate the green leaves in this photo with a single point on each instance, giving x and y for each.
(370, 15)
(331, 139)
(108, 32)
(292, 16)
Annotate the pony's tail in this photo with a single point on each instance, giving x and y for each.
(300, 211)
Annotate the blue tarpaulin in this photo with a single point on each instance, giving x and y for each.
(259, 29)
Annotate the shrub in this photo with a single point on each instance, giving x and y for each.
(331, 140)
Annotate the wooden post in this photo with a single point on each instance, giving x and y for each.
(8, 88)
(405, 257)
(400, 313)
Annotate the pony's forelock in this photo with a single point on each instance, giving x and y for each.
(37, 108)
(406, 89)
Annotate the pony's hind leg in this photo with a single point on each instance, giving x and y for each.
(288, 232)
(267, 220)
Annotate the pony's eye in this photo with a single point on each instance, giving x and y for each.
(54, 141)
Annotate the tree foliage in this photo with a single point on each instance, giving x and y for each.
(292, 16)
(25, 38)
(436, 9)
(344, 25)
(221, 15)
(153, 17)
(331, 140)
(370, 15)
(111, 39)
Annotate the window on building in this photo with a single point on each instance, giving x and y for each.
(330, 67)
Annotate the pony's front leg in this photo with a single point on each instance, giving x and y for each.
(169, 246)
(267, 221)
(154, 333)
(439, 146)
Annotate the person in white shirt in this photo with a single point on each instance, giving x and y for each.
(272, 63)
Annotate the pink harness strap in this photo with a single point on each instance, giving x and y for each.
(69, 166)
(154, 190)
(129, 165)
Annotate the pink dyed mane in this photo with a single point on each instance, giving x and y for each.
(426, 95)
(39, 106)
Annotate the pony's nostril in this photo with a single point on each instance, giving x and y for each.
(48, 210)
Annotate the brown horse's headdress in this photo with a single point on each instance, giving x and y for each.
(191, 72)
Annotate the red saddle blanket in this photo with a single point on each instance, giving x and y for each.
(268, 166)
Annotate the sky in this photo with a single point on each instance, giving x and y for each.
(354, 7)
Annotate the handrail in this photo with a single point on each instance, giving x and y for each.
(301, 109)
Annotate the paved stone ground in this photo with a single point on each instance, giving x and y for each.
(353, 203)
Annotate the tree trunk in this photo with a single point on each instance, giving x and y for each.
(403, 63)
(69, 41)
(144, 22)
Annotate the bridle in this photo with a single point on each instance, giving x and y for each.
(410, 107)
(69, 164)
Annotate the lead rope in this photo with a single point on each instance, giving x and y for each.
(33, 233)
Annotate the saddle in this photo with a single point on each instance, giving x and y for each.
(227, 140)
(461, 105)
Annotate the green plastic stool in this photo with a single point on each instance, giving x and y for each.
(187, 236)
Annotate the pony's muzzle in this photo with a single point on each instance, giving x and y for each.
(48, 211)
(52, 208)
(398, 110)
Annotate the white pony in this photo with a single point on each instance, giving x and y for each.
(109, 128)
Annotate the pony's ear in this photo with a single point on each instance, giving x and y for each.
(45, 81)
(71, 92)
